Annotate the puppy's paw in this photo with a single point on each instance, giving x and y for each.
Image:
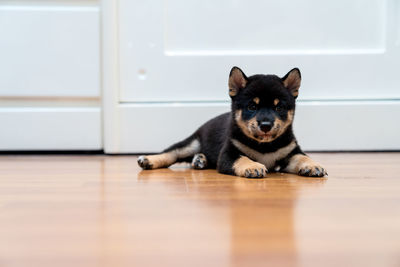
(248, 168)
(199, 161)
(144, 163)
(312, 170)
(256, 172)
(303, 165)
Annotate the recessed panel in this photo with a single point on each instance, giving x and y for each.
(50, 128)
(260, 26)
(317, 126)
(49, 50)
(174, 50)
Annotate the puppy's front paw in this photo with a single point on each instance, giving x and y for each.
(144, 163)
(199, 161)
(247, 168)
(256, 172)
(303, 165)
(312, 170)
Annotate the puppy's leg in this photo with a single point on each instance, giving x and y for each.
(246, 167)
(199, 161)
(230, 161)
(157, 161)
(303, 165)
(179, 151)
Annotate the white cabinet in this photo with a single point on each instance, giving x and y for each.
(50, 75)
(168, 63)
(161, 67)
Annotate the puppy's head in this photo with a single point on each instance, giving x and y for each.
(263, 105)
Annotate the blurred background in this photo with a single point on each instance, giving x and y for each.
(133, 76)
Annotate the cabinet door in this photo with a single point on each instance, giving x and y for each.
(177, 50)
(49, 50)
(49, 75)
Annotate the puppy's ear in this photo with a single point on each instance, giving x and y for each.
(292, 81)
(237, 81)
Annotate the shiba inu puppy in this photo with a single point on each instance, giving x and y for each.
(254, 138)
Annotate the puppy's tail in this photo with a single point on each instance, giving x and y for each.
(181, 151)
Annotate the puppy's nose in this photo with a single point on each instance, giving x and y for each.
(265, 126)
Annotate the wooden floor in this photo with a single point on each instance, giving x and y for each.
(103, 211)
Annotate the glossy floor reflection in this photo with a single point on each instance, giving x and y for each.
(104, 211)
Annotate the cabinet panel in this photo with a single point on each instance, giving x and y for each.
(50, 128)
(226, 26)
(183, 50)
(49, 50)
(328, 126)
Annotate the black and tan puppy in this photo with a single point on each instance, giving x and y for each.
(255, 137)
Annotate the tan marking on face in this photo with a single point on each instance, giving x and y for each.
(246, 127)
(276, 101)
(250, 127)
(279, 127)
(246, 167)
(256, 100)
(300, 162)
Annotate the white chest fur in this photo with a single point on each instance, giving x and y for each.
(268, 159)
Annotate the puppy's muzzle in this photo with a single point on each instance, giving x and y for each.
(265, 126)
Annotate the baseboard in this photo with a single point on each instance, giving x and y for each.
(319, 125)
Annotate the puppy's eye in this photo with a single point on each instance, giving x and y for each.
(252, 107)
(278, 108)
